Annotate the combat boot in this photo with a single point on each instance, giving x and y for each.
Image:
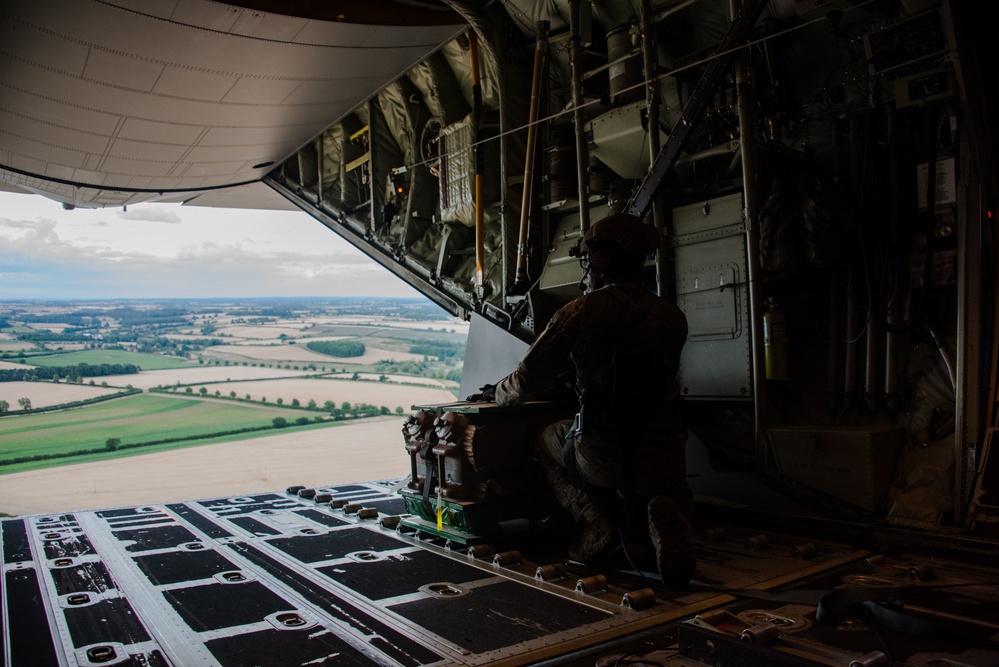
(669, 531)
(599, 531)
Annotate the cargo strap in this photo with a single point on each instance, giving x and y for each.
(430, 471)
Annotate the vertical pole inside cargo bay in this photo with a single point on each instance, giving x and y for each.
(651, 71)
(480, 251)
(576, 71)
(522, 280)
(744, 106)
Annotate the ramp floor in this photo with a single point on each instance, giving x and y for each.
(282, 579)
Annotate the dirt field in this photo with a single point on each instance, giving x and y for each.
(300, 353)
(15, 346)
(357, 452)
(185, 336)
(269, 353)
(44, 326)
(262, 332)
(168, 376)
(456, 325)
(44, 394)
(338, 391)
(303, 341)
(374, 355)
(409, 379)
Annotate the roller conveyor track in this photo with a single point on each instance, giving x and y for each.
(281, 579)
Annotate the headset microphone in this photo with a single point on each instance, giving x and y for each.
(585, 285)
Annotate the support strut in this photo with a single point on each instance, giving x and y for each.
(692, 113)
(522, 280)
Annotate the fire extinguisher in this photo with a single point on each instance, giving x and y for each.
(775, 342)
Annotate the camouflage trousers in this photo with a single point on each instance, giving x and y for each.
(586, 485)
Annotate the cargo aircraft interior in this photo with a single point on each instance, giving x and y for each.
(822, 177)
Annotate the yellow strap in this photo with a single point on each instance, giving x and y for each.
(440, 492)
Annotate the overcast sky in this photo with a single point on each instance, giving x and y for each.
(174, 251)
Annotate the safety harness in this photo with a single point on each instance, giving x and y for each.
(613, 338)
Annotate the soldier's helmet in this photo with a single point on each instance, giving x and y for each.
(624, 231)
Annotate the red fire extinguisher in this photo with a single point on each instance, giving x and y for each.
(775, 342)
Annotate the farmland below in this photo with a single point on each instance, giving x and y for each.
(135, 420)
(188, 373)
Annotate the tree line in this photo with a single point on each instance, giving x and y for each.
(337, 348)
(35, 373)
(439, 349)
(26, 406)
(417, 368)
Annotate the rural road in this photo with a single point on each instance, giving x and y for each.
(362, 451)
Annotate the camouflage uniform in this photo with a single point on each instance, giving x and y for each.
(624, 344)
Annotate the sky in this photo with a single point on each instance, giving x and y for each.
(174, 251)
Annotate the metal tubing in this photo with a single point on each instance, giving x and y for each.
(854, 330)
(694, 110)
(872, 388)
(744, 106)
(319, 168)
(480, 233)
(578, 119)
(651, 67)
(673, 9)
(727, 148)
(372, 186)
(834, 377)
(540, 49)
(851, 383)
(967, 395)
(412, 272)
(599, 69)
(893, 318)
(835, 361)
(893, 348)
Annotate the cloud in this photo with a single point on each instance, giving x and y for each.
(46, 252)
(32, 236)
(150, 214)
(40, 239)
(41, 229)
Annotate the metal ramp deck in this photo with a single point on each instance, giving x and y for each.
(327, 579)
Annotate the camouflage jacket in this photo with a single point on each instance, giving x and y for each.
(624, 344)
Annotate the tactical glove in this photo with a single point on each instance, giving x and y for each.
(487, 394)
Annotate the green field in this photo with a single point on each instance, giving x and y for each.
(147, 362)
(19, 329)
(136, 419)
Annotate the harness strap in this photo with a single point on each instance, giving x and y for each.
(430, 470)
(635, 316)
